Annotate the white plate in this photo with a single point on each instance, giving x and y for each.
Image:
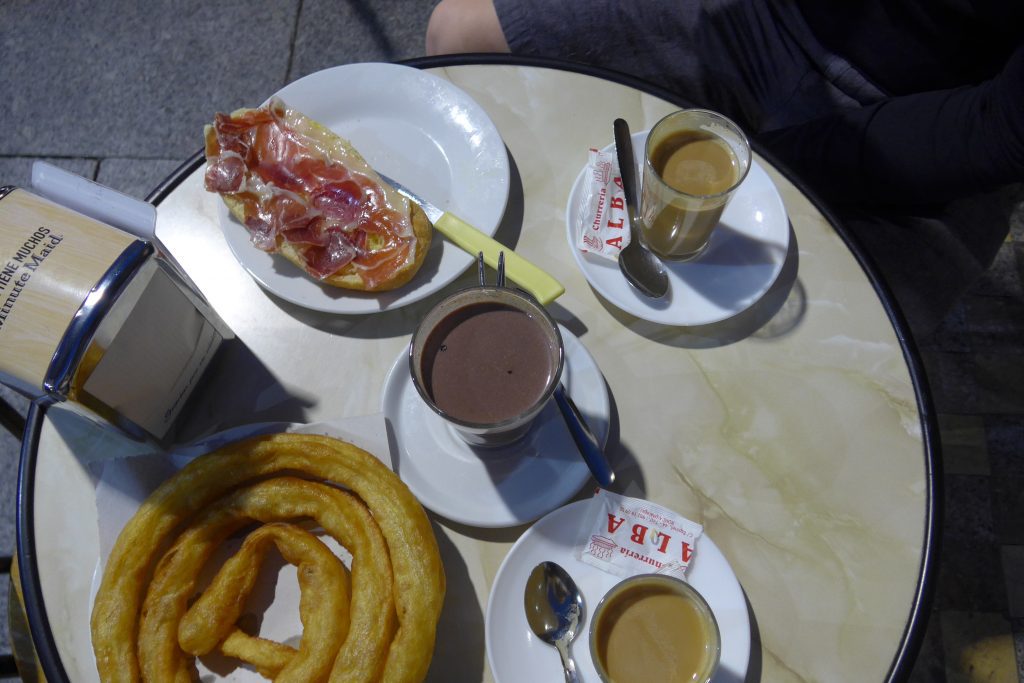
(495, 487)
(516, 655)
(743, 259)
(411, 126)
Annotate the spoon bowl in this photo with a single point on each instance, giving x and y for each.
(641, 268)
(554, 610)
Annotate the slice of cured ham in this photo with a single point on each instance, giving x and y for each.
(303, 191)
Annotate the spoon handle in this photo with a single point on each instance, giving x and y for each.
(585, 440)
(568, 663)
(628, 174)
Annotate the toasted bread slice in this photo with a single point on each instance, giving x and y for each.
(390, 250)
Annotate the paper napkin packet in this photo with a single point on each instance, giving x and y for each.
(604, 221)
(627, 536)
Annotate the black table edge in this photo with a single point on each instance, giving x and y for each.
(913, 635)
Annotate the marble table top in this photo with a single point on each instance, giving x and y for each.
(791, 432)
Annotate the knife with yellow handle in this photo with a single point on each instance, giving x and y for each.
(528, 276)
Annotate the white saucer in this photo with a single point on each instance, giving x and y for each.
(495, 487)
(516, 655)
(743, 259)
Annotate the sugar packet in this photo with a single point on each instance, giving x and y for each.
(603, 227)
(628, 536)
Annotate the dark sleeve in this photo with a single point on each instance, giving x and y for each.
(921, 148)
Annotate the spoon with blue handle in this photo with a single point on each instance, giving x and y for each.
(585, 440)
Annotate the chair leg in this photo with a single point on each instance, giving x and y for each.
(11, 419)
(8, 667)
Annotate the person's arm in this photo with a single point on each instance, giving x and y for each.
(922, 148)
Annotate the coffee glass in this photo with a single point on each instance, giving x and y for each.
(688, 642)
(487, 360)
(694, 160)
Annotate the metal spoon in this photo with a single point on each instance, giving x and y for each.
(586, 441)
(554, 609)
(642, 269)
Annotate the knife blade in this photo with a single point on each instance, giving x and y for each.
(537, 282)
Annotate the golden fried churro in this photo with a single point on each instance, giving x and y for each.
(418, 578)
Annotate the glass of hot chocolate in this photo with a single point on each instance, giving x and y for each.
(487, 360)
(694, 160)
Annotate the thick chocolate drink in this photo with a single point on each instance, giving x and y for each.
(486, 362)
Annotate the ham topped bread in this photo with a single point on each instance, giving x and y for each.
(306, 193)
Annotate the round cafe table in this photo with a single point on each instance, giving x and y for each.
(798, 432)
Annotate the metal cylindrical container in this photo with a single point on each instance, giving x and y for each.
(89, 314)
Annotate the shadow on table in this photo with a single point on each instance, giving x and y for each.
(775, 314)
(629, 476)
(755, 665)
(459, 650)
(238, 389)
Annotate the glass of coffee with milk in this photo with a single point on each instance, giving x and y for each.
(694, 160)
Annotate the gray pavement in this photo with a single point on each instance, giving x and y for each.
(119, 91)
